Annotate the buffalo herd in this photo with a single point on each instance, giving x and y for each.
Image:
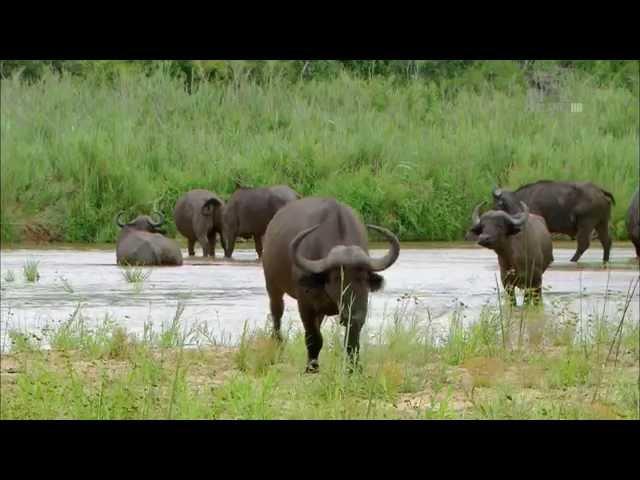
(315, 249)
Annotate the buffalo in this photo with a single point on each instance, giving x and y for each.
(571, 208)
(316, 251)
(141, 242)
(248, 212)
(198, 216)
(633, 222)
(523, 245)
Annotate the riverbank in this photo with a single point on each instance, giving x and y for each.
(500, 368)
(412, 156)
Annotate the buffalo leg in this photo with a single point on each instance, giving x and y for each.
(352, 339)
(511, 294)
(276, 303)
(212, 243)
(204, 243)
(603, 235)
(313, 338)
(258, 241)
(533, 295)
(584, 239)
(191, 246)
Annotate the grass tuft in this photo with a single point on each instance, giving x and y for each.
(30, 270)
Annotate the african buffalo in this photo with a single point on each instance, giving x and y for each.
(198, 216)
(572, 208)
(249, 211)
(633, 222)
(523, 245)
(315, 250)
(141, 243)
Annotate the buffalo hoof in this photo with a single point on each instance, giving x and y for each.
(312, 367)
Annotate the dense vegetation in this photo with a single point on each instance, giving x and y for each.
(412, 145)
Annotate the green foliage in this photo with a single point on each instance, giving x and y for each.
(411, 145)
(30, 270)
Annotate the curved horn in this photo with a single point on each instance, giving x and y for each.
(118, 222)
(475, 216)
(379, 264)
(521, 218)
(159, 214)
(312, 266)
(516, 220)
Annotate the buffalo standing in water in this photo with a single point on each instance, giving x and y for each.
(315, 250)
(141, 242)
(198, 216)
(249, 211)
(571, 208)
(633, 222)
(523, 245)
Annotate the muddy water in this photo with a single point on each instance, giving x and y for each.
(431, 282)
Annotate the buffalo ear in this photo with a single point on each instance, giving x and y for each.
(376, 282)
(313, 280)
(471, 235)
(512, 230)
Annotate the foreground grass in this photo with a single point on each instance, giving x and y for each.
(413, 156)
(518, 365)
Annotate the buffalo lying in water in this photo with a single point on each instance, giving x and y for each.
(523, 245)
(248, 212)
(633, 221)
(198, 216)
(315, 250)
(141, 242)
(572, 208)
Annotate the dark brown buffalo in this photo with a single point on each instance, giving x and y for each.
(249, 211)
(572, 208)
(141, 242)
(198, 216)
(315, 250)
(633, 222)
(523, 245)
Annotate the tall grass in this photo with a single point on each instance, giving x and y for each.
(30, 270)
(411, 156)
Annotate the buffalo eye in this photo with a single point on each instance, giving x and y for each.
(512, 230)
(376, 282)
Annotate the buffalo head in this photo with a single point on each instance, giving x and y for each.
(506, 201)
(143, 223)
(493, 227)
(346, 275)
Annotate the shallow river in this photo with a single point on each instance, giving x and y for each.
(224, 294)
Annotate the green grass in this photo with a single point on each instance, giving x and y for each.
(9, 276)
(30, 270)
(411, 369)
(414, 156)
(135, 274)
